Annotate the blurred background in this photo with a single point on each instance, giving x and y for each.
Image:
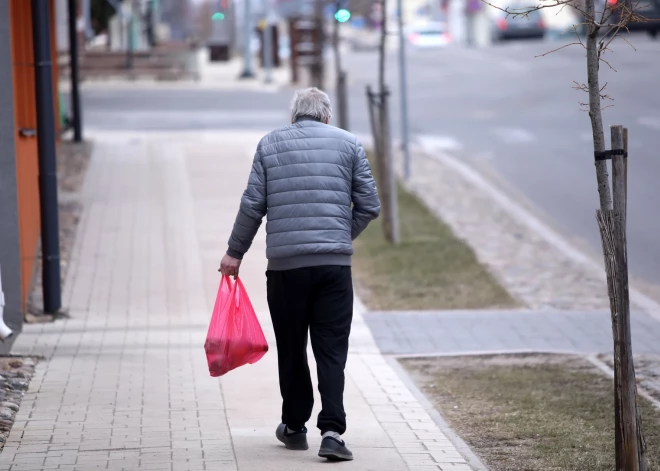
(481, 85)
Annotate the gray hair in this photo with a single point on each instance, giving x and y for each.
(311, 102)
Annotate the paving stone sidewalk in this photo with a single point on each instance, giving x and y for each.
(469, 332)
(124, 384)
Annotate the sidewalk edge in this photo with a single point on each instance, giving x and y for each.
(470, 457)
(464, 449)
(651, 307)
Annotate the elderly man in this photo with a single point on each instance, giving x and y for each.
(314, 183)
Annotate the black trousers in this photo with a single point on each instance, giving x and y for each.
(318, 300)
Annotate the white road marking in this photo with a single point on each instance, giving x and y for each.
(542, 229)
(652, 122)
(446, 143)
(485, 155)
(514, 135)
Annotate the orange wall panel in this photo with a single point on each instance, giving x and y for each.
(27, 163)
(25, 112)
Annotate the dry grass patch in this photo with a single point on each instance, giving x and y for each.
(531, 412)
(430, 269)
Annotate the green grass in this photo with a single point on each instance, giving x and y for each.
(532, 413)
(430, 269)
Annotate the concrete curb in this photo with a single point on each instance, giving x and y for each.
(521, 214)
(605, 368)
(472, 459)
(372, 348)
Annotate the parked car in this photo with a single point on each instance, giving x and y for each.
(649, 9)
(429, 35)
(531, 26)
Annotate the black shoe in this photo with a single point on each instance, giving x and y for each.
(292, 440)
(335, 450)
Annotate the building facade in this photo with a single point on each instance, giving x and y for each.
(19, 159)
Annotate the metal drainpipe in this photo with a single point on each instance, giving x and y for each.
(43, 73)
(75, 80)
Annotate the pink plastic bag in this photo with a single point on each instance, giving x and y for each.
(235, 337)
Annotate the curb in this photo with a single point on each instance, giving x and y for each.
(472, 459)
(518, 212)
(605, 368)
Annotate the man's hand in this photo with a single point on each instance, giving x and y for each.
(229, 266)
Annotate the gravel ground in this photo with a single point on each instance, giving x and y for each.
(647, 372)
(72, 163)
(531, 269)
(15, 375)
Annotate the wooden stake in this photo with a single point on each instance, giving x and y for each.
(613, 228)
(389, 190)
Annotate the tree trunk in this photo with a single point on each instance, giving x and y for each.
(593, 63)
(381, 56)
(629, 441)
(389, 190)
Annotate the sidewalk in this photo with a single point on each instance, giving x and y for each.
(125, 383)
(506, 331)
(212, 76)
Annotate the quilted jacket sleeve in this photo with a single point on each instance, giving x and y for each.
(366, 204)
(251, 211)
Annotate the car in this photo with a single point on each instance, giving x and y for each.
(530, 26)
(429, 35)
(649, 9)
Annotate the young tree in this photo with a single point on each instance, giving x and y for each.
(340, 74)
(380, 125)
(605, 22)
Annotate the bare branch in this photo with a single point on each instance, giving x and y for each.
(608, 64)
(524, 12)
(581, 87)
(576, 43)
(629, 43)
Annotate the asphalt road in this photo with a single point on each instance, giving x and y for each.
(514, 116)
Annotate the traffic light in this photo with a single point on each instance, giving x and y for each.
(219, 16)
(343, 15)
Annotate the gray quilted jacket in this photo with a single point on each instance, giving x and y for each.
(304, 178)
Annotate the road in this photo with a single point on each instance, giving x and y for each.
(513, 116)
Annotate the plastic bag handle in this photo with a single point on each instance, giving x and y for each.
(227, 280)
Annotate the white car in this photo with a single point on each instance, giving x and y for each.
(429, 35)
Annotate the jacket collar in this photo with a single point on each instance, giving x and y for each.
(307, 118)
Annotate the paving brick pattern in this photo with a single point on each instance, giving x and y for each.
(125, 385)
(460, 332)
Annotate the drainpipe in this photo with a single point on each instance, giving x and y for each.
(75, 80)
(5, 332)
(43, 74)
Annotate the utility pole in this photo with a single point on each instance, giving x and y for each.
(130, 38)
(247, 46)
(403, 92)
(342, 108)
(318, 63)
(43, 74)
(75, 80)
(268, 45)
(87, 19)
